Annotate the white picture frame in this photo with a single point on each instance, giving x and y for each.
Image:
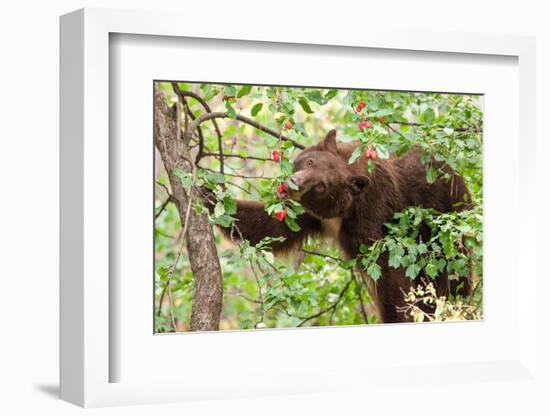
(85, 221)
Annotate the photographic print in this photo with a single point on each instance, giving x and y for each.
(289, 206)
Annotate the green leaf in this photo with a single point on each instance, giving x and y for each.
(290, 212)
(448, 131)
(382, 151)
(230, 90)
(224, 221)
(370, 165)
(269, 257)
(305, 105)
(412, 271)
(292, 185)
(185, 177)
(349, 264)
(230, 110)
(230, 205)
(330, 95)
(219, 209)
(374, 271)
(315, 96)
(427, 116)
(432, 270)
(431, 174)
(209, 91)
(287, 167)
(214, 177)
(355, 155)
(245, 90)
(292, 224)
(256, 109)
(394, 261)
(384, 112)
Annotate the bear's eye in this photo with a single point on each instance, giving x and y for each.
(309, 163)
(320, 187)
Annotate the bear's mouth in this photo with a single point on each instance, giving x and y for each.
(283, 195)
(296, 195)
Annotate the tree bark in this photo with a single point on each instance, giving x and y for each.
(200, 242)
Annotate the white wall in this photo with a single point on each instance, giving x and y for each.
(29, 171)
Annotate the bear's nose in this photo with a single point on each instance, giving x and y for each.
(298, 180)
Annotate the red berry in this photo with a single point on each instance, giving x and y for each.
(367, 154)
(373, 154)
(381, 119)
(288, 125)
(361, 125)
(282, 188)
(358, 108)
(276, 155)
(280, 215)
(368, 125)
(362, 104)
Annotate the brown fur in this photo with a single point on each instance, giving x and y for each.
(350, 205)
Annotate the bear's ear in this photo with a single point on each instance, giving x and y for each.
(330, 142)
(358, 184)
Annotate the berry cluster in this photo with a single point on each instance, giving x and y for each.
(371, 154)
(365, 124)
(282, 190)
(277, 155)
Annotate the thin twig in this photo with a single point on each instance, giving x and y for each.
(239, 187)
(233, 155)
(234, 175)
(414, 124)
(331, 307)
(207, 108)
(241, 295)
(360, 298)
(316, 253)
(260, 295)
(163, 206)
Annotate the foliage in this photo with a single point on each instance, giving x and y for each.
(424, 294)
(455, 241)
(318, 288)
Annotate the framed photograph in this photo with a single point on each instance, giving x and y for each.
(380, 222)
(334, 220)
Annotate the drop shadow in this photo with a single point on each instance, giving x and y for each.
(51, 390)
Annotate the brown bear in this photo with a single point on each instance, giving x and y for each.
(348, 204)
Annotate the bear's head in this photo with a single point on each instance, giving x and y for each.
(326, 182)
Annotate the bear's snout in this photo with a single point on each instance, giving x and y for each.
(298, 180)
(303, 181)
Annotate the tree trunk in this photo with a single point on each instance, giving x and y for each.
(200, 243)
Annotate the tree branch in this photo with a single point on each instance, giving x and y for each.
(210, 116)
(414, 124)
(199, 237)
(236, 156)
(235, 175)
(207, 108)
(315, 253)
